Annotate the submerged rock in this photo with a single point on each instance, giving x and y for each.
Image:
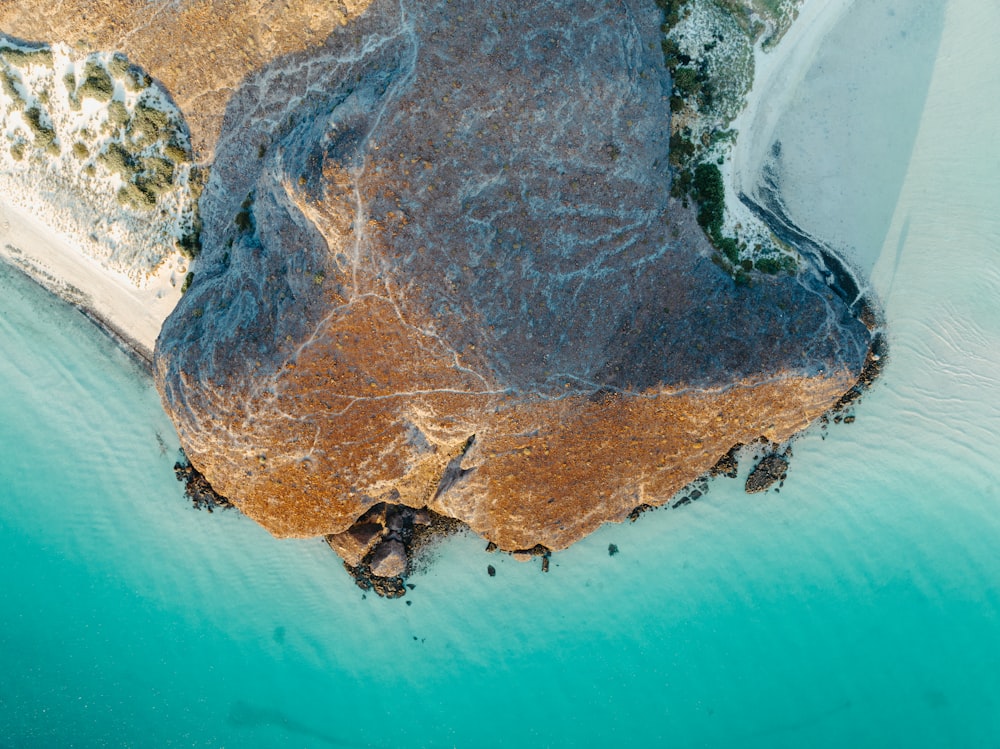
(442, 269)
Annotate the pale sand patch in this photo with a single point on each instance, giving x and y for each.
(777, 74)
(132, 315)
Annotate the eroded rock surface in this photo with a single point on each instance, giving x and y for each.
(442, 269)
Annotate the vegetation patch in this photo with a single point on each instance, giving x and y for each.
(117, 160)
(97, 83)
(45, 135)
(776, 263)
(117, 114)
(118, 65)
(156, 175)
(176, 152)
(707, 47)
(9, 81)
(148, 124)
(133, 196)
(23, 58)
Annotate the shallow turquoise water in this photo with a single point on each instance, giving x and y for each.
(860, 606)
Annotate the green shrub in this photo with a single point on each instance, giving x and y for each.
(24, 58)
(117, 159)
(156, 176)
(69, 81)
(190, 244)
(8, 80)
(175, 151)
(97, 84)
(45, 136)
(682, 184)
(148, 123)
(80, 150)
(686, 82)
(117, 114)
(671, 12)
(774, 264)
(710, 195)
(187, 282)
(118, 65)
(681, 150)
(728, 246)
(132, 196)
(671, 53)
(17, 150)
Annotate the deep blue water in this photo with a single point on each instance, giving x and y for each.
(860, 606)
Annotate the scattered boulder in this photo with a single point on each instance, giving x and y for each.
(727, 465)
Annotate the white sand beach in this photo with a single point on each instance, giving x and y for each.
(133, 315)
(777, 74)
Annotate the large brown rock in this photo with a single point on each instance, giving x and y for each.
(442, 268)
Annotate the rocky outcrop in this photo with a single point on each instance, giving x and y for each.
(442, 268)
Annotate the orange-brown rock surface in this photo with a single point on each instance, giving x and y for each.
(442, 269)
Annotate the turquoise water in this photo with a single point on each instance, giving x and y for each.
(860, 606)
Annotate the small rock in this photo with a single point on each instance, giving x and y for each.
(389, 559)
(727, 465)
(398, 517)
(612, 549)
(545, 564)
(491, 547)
(491, 570)
(421, 517)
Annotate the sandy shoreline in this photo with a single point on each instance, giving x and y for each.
(777, 74)
(130, 315)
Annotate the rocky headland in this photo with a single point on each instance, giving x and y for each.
(442, 275)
